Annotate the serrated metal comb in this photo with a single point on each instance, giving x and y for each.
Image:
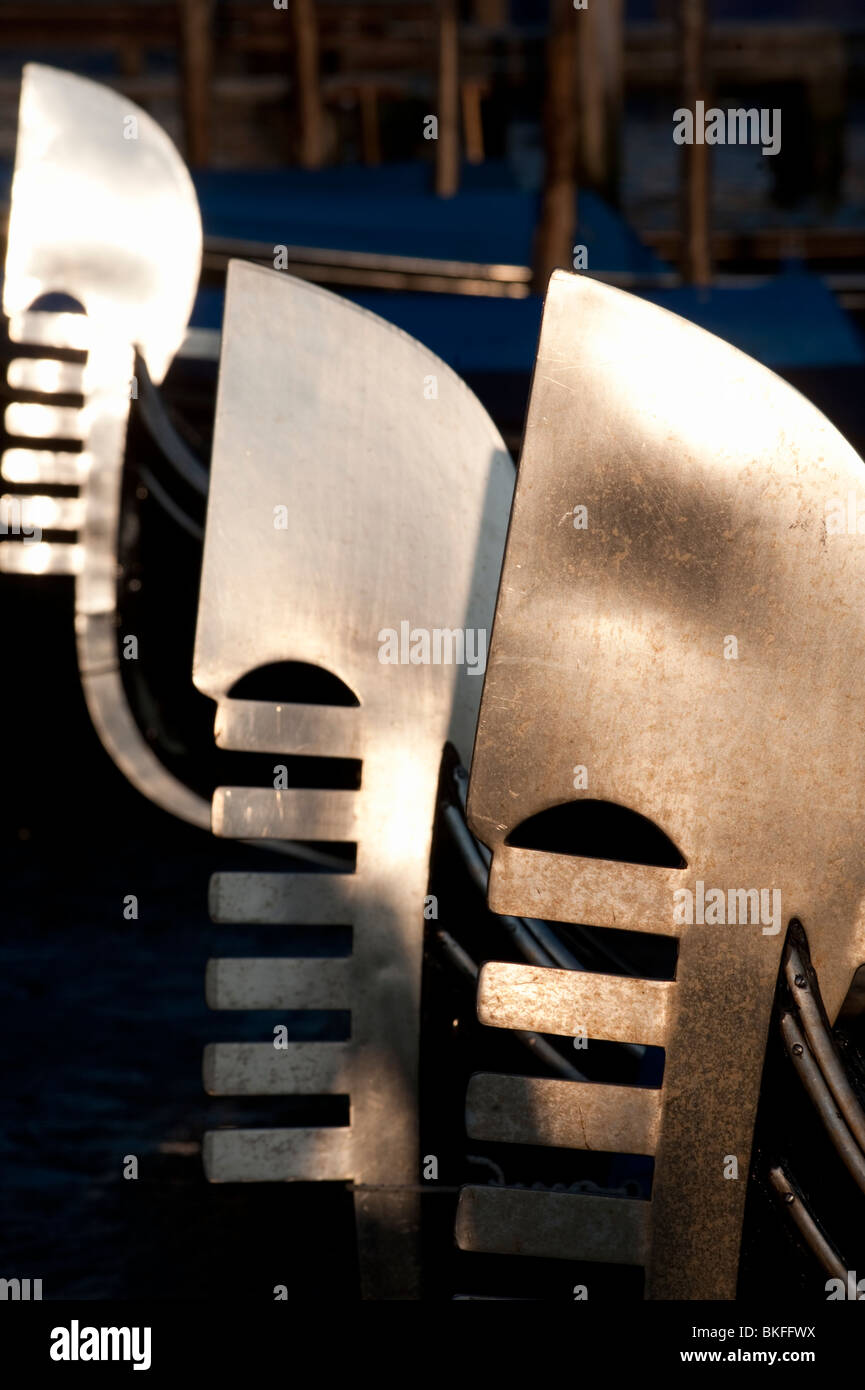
(711, 492)
(356, 485)
(103, 211)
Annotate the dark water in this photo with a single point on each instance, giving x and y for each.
(103, 1022)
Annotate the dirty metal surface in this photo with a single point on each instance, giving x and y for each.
(562, 1114)
(344, 501)
(712, 495)
(563, 1001)
(553, 1225)
(104, 211)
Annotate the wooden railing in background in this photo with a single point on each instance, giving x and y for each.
(314, 55)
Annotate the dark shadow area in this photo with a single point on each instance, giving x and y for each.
(293, 683)
(594, 829)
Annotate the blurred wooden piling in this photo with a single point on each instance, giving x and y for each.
(600, 48)
(554, 236)
(696, 262)
(447, 146)
(307, 84)
(196, 56)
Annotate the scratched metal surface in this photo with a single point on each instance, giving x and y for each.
(706, 481)
(395, 504)
(127, 248)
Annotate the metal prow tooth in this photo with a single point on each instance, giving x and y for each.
(595, 1116)
(45, 557)
(48, 329)
(553, 1225)
(21, 513)
(319, 900)
(129, 253)
(575, 889)
(258, 727)
(31, 420)
(254, 983)
(259, 813)
(309, 899)
(278, 1155)
(609, 639)
(298, 1068)
(260, 1069)
(621, 1009)
(46, 375)
(564, 1114)
(584, 1116)
(360, 457)
(52, 467)
(37, 510)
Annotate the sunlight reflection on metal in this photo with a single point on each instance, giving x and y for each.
(708, 486)
(50, 466)
(40, 374)
(46, 513)
(28, 420)
(103, 211)
(49, 330)
(45, 557)
(392, 506)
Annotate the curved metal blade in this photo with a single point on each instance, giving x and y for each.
(681, 615)
(357, 486)
(103, 210)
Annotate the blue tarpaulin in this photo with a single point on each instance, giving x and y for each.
(791, 321)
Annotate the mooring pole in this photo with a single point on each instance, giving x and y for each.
(307, 87)
(600, 46)
(196, 55)
(696, 261)
(448, 143)
(554, 236)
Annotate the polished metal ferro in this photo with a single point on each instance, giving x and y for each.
(358, 506)
(682, 615)
(103, 211)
